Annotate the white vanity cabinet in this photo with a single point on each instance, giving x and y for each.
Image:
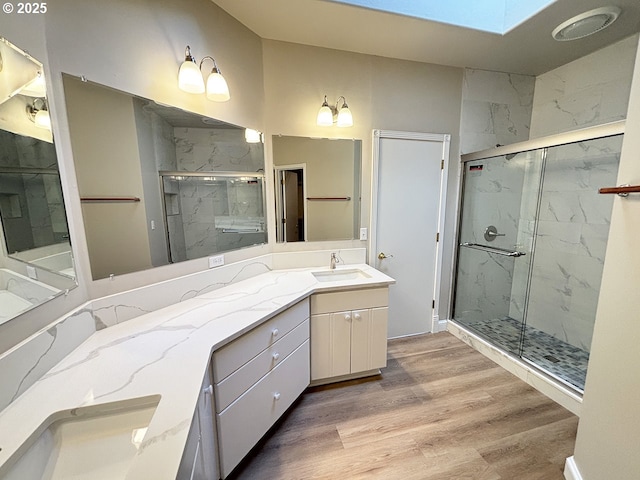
(348, 334)
(256, 378)
(200, 456)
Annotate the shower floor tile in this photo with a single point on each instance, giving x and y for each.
(546, 351)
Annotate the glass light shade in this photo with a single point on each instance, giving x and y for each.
(190, 78)
(42, 119)
(345, 119)
(252, 136)
(325, 116)
(217, 88)
(35, 88)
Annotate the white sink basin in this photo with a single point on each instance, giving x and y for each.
(97, 442)
(340, 275)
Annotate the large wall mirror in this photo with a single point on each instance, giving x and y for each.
(36, 264)
(317, 188)
(158, 184)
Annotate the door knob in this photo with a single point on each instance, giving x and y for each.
(382, 256)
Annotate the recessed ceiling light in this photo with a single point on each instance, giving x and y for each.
(586, 23)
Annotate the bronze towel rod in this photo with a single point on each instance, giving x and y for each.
(622, 190)
(329, 198)
(109, 199)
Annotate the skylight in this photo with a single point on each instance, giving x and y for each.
(494, 16)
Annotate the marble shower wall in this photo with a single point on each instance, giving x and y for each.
(207, 210)
(496, 109)
(572, 235)
(589, 91)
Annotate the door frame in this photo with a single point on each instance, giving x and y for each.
(445, 139)
(278, 171)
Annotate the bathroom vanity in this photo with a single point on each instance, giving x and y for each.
(211, 374)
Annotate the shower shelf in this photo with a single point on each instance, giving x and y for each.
(622, 190)
(496, 250)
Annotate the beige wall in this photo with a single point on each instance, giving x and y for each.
(382, 93)
(608, 439)
(107, 163)
(135, 46)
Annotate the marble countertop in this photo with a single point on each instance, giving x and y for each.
(164, 353)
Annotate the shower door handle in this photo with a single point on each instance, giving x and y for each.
(496, 250)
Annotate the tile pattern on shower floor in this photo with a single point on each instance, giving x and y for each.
(546, 351)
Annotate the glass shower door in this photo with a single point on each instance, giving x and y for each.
(571, 238)
(496, 240)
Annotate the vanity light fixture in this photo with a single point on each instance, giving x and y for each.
(190, 78)
(252, 136)
(326, 114)
(38, 113)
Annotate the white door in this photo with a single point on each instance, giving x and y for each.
(408, 214)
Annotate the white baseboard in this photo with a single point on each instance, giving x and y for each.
(441, 326)
(571, 471)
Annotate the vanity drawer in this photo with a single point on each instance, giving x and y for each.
(242, 379)
(231, 357)
(246, 420)
(349, 300)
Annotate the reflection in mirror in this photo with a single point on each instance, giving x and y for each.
(317, 188)
(159, 184)
(37, 263)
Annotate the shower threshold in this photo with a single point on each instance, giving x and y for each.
(546, 382)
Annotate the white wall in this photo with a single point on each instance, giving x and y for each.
(609, 429)
(589, 91)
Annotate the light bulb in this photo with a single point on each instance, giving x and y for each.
(42, 119)
(325, 115)
(189, 76)
(345, 119)
(217, 88)
(252, 136)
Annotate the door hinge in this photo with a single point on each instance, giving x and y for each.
(433, 304)
(442, 164)
(437, 237)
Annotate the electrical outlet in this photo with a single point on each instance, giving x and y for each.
(363, 233)
(216, 261)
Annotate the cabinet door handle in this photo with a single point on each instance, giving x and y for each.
(276, 357)
(357, 316)
(208, 390)
(347, 317)
(275, 332)
(276, 396)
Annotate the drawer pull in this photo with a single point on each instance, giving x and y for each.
(276, 357)
(357, 316)
(347, 317)
(208, 390)
(276, 396)
(275, 332)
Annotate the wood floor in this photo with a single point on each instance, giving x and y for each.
(440, 411)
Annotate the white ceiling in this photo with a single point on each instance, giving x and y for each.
(527, 49)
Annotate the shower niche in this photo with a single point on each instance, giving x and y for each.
(530, 284)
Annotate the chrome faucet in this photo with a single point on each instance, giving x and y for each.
(334, 260)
